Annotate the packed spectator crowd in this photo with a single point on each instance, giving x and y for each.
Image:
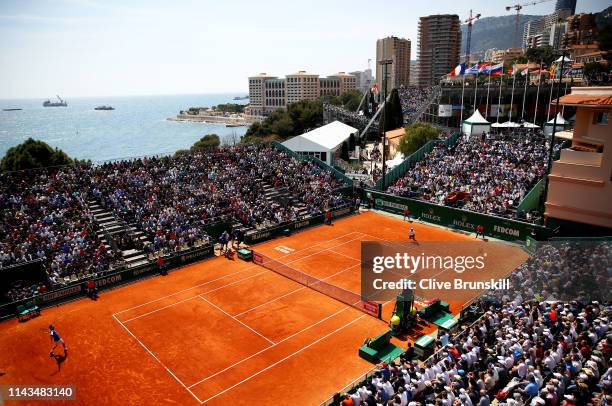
(516, 354)
(415, 100)
(562, 270)
(45, 217)
(489, 174)
(45, 214)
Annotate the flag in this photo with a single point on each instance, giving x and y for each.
(525, 71)
(568, 71)
(552, 70)
(484, 68)
(459, 70)
(496, 70)
(472, 70)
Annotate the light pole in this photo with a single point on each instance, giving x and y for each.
(385, 63)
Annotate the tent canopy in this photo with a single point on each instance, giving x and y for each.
(561, 59)
(507, 124)
(527, 124)
(326, 137)
(560, 120)
(476, 118)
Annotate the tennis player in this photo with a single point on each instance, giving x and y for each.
(412, 234)
(55, 337)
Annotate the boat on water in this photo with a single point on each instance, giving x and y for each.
(104, 108)
(11, 109)
(241, 97)
(59, 103)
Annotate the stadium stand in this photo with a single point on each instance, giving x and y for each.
(531, 353)
(490, 174)
(81, 221)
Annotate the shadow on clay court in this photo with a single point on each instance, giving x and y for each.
(59, 359)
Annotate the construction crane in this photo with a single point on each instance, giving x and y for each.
(518, 8)
(469, 22)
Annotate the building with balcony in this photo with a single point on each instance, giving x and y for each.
(268, 93)
(580, 182)
(438, 48)
(396, 50)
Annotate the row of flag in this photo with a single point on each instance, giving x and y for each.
(498, 70)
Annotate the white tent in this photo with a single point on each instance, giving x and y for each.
(561, 59)
(562, 124)
(476, 124)
(321, 142)
(507, 124)
(527, 124)
(399, 158)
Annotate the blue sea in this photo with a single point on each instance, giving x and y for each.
(137, 127)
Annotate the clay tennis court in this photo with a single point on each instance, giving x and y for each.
(220, 331)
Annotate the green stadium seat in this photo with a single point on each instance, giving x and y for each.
(33, 308)
(22, 312)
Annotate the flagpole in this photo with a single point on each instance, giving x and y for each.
(476, 87)
(501, 82)
(564, 93)
(488, 88)
(535, 110)
(462, 91)
(525, 90)
(552, 83)
(512, 96)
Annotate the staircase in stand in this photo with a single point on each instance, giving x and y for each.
(109, 225)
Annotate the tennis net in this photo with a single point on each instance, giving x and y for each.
(345, 296)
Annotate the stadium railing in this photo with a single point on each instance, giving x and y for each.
(337, 174)
(272, 232)
(532, 199)
(409, 162)
(365, 378)
(450, 217)
(73, 290)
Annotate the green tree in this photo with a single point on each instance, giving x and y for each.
(344, 153)
(416, 136)
(593, 72)
(206, 143)
(394, 112)
(350, 99)
(545, 53)
(33, 154)
(351, 141)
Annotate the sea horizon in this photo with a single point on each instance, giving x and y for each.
(138, 126)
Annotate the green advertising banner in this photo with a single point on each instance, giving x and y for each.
(496, 227)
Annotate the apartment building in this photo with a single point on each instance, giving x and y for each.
(439, 47)
(397, 50)
(580, 184)
(268, 93)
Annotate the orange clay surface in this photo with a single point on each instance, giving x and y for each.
(220, 332)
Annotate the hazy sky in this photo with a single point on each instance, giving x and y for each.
(107, 47)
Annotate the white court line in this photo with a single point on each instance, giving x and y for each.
(293, 291)
(225, 276)
(228, 284)
(156, 310)
(282, 360)
(275, 345)
(157, 359)
(235, 319)
(229, 275)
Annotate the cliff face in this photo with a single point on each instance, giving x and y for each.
(494, 32)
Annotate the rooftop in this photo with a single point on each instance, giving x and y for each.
(588, 97)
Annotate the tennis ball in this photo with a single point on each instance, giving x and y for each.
(395, 320)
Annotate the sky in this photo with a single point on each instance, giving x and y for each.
(113, 48)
